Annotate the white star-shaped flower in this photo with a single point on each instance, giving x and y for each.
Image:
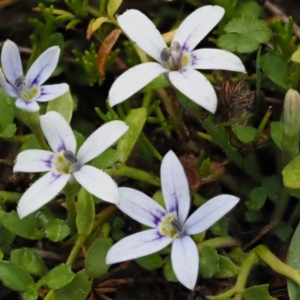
(179, 61)
(29, 89)
(63, 165)
(169, 225)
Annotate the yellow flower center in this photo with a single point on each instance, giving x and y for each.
(172, 227)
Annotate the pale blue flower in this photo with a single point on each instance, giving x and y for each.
(179, 62)
(169, 225)
(29, 89)
(64, 165)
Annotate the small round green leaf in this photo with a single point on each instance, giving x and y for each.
(95, 265)
(168, 271)
(209, 262)
(77, 289)
(14, 276)
(150, 262)
(291, 174)
(59, 277)
(29, 260)
(56, 230)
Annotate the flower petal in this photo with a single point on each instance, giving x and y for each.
(137, 245)
(133, 80)
(41, 192)
(216, 59)
(140, 207)
(58, 132)
(185, 261)
(175, 187)
(197, 25)
(43, 67)
(196, 87)
(142, 32)
(11, 61)
(100, 140)
(209, 213)
(31, 106)
(34, 161)
(98, 183)
(51, 92)
(10, 90)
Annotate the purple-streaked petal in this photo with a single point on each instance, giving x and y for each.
(51, 92)
(196, 87)
(197, 25)
(133, 80)
(31, 106)
(137, 245)
(43, 67)
(175, 187)
(140, 207)
(34, 161)
(11, 61)
(58, 132)
(209, 213)
(142, 32)
(98, 183)
(100, 140)
(10, 90)
(212, 59)
(185, 261)
(41, 192)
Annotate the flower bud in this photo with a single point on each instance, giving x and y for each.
(291, 120)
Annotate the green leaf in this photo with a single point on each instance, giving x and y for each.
(95, 265)
(158, 83)
(59, 277)
(293, 260)
(246, 134)
(77, 289)
(56, 230)
(26, 228)
(257, 292)
(105, 159)
(272, 187)
(9, 131)
(277, 133)
(209, 262)
(135, 120)
(150, 262)
(14, 276)
(258, 197)
(29, 260)
(296, 56)
(7, 105)
(118, 223)
(220, 228)
(112, 7)
(85, 212)
(227, 268)
(63, 105)
(244, 35)
(270, 64)
(168, 271)
(30, 294)
(291, 174)
(30, 143)
(283, 231)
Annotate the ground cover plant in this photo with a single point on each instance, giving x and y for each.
(149, 150)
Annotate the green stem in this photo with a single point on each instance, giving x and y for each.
(150, 147)
(71, 220)
(276, 264)
(123, 170)
(281, 204)
(20, 139)
(262, 124)
(168, 102)
(32, 120)
(105, 214)
(163, 122)
(9, 196)
(147, 98)
(219, 242)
